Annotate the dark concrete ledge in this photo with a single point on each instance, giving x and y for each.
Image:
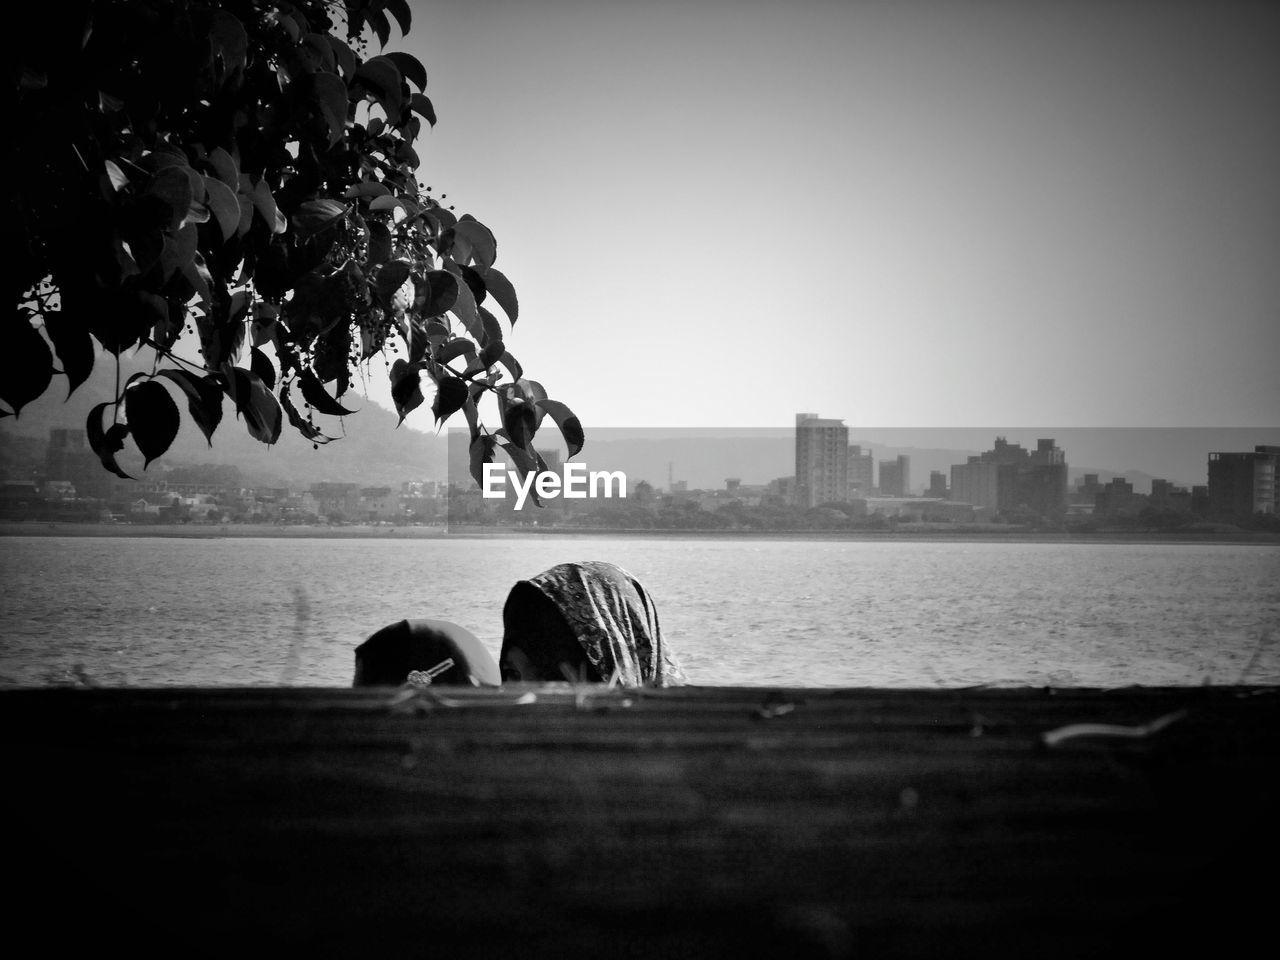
(699, 822)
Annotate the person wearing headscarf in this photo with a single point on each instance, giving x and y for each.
(422, 653)
(589, 621)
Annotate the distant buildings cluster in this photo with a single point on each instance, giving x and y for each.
(835, 484)
(1005, 480)
(74, 486)
(1015, 483)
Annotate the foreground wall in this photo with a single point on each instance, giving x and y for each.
(552, 822)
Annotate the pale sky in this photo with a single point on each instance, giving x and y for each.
(895, 213)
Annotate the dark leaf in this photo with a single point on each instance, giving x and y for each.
(229, 41)
(410, 68)
(260, 364)
(484, 249)
(379, 243)
(153, 418)
(492, 329)
(315, 50)
(258, 406)
(444, 218)
(492, 353)
(406, 388)
(332, 351)
(520, 420)
(179, 251)
(570, 426)
(74, 346)
(26, 364)
(475, 282)
(523, 389)
(441, 293)
(265, 204)
(472, 414)
(390, 279)
(481, 453)
(369, 188)
(464, 308)
(384, 203)
(204, 399)
(225, 167)
(309, 430)
(227, 379)
(315, 215)
(381, 26)
(172, 185)
(456, 348)
(316, 395)
(421, 104)
(400, 10)
(225, 206)
(512, 365)
(331, 97)
(343, 56)
(381, 77)
(451, 394)
(167, 329)
(106, 443)
(500, 289)
(419, 342)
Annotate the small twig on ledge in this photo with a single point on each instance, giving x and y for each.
(1071, 731)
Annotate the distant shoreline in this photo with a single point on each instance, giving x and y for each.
(369, 532)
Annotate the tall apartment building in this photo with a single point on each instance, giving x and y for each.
(895, 477)
(862, 473)
(1242, 484)
(1042, 480)
(937, 484)
(822, 460)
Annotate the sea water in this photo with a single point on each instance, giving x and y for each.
(243, 611)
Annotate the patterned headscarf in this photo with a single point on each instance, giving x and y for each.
(614, 620)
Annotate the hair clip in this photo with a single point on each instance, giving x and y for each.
(423, 678)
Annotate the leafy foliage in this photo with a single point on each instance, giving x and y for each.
(243, 172)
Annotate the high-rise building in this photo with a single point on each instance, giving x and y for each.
(1042, 480)
(895, 477)
(1242, 484)
(862, 473)
(937, 484)
(822, 460)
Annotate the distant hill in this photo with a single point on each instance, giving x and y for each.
(373, 452)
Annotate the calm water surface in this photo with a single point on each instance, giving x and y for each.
(156, 611)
